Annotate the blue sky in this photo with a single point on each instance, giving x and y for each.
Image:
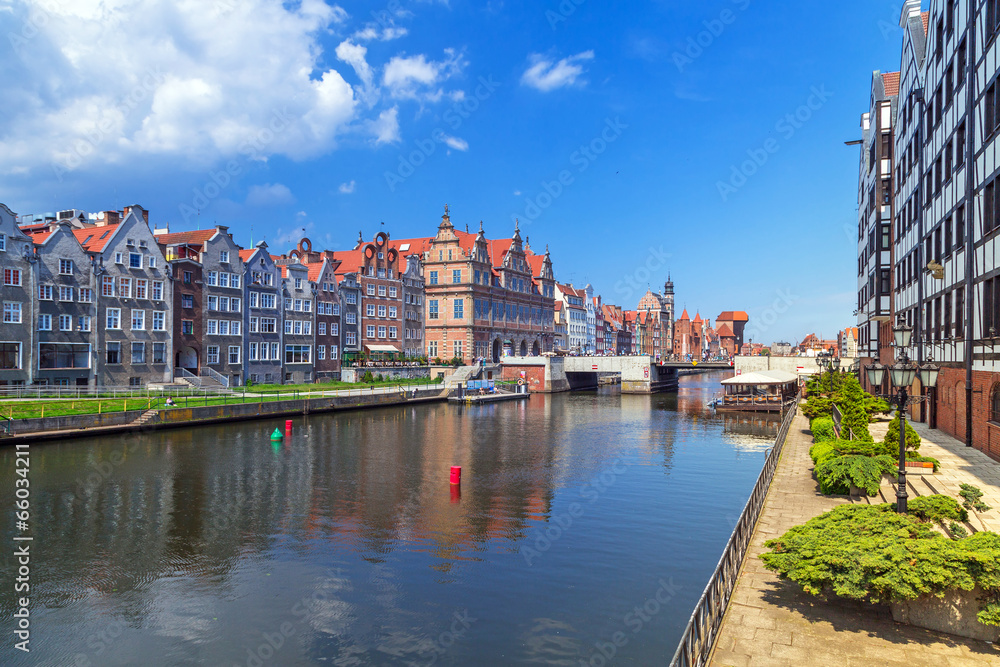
(610, 131)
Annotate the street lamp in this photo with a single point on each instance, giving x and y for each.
(901, 376)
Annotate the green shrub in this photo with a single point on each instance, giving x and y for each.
(817, 406)
(972, 496)
(864, 552)
(368, 377)
(959, 532)
(851, 404)
(822, 452)
(889, 465)
(822, 429)
(936, 509)
(837, 475)
(855, 448)
(892, 436)
(876, 406)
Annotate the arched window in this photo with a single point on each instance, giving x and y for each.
(995, 403)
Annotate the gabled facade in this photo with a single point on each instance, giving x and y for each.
(134, 318)
(375, 267)
(350, 321)
(18, 298)
(661, 336)
(413, 307)
(263, 316)
(299, 339)
(67, 309)
(329, 318)
(574, 304)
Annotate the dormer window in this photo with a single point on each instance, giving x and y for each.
(224, 256)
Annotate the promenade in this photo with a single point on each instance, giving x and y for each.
(772, 622)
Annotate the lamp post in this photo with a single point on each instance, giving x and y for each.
(901, 376)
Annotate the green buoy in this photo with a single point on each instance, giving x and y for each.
(276, 436)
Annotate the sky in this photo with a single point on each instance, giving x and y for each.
(634, 139)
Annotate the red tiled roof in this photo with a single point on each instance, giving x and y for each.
(93, 239)
(697, 318)
(192, 237)
(926, 18)
(315, 270)
(496, 248)
(890, 81)
(725, 331)
(558, 305)
(247, 253)
(684, 315)
(350, 261)
(38, 233)
(732, 316)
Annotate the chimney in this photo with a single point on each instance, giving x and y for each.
(106, 218)
(138, 209)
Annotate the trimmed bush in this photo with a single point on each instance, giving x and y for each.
(868, 553)
(876, 406)
(837, 475)
(817, 406)
(852, 408)
(822, 429)
(856, 448)
(822, 452)
(892, 436)
(937, 508)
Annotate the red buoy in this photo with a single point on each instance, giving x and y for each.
(288, 425)
(456, 474)
(456, 493)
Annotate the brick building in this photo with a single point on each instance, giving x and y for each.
(375, 266)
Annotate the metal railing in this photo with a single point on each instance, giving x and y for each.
(703, 627)
(215, 375)
(838, 419)
(188, 376)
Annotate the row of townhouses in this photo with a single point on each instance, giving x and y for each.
(929, 211)
(105, 299)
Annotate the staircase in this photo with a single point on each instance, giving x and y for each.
(919, 485)
(463, 375)
(146, 417)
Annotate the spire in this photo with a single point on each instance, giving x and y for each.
(480, 226)
(517, 231)
(446, 219)
(361, 239)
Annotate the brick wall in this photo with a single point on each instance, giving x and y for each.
(950, 405)
(534, 375)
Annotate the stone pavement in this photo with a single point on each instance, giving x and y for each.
(772, 622)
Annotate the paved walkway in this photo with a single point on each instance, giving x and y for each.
(772, 622)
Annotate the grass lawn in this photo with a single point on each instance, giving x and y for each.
(332, 386)
(56, 408)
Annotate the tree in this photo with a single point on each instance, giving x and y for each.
(852, 408)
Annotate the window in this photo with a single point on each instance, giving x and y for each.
(213, 303)
(456, 276)
(268, 325)
(334, 329)
(234, 281)
(381, 290)
(254, 324)
(334, 351)
(298, 328)
(65, 293)
(213, 354)
(187, 327)
(223, 327)
(432, 348)
(223, 280)
(188, 277)
(159, 353)
(138, 353)
(224, 303)
(432, 309)
(381, 332)
(434, 278)
(44, 322)
(159, 320)
(118, 257)
(352, 318)
(224, 256)
(995, 404)
(298, 305)
(187, 301)
(12, 277)
(108, 286)
(157, 290)
(307, 306)
(336, 309)
(86, 295)
(83, 323)
(459, 308)
(141, 288)
(114, 318)
(114, 353)
(352, 338)
(234, 354)
(212, 327)
(134, 260)
(65, 323)
(352, 298)
(288, 304)
(458, 348)
(3, 248)
(298, 283)
(381, 311)
(392, 292)
(65, 267)
(45, 292)
(370, 331)
(152, 262)
(371, 290)
(321, 352)
(321, 329)
(392, 312)
(234, 305)
(268, 301)
(297, 354)
(254, 354)
(288, 326)
(213, 278)
(370, 310)
(392, 332)
(124, 287)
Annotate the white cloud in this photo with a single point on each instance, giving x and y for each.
(347, 188)
(545, 74)
(354, 55)
(386, 127)
(371, 31)
(416, 77)
(456, 143)
(269, 195)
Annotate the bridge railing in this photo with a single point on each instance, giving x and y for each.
(703, 627)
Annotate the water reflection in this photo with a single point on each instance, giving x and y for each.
(347, 545)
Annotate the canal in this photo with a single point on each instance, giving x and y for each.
(585, 529)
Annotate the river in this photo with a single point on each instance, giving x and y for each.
(585, 529)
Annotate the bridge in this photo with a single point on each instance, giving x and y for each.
(639, 374)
